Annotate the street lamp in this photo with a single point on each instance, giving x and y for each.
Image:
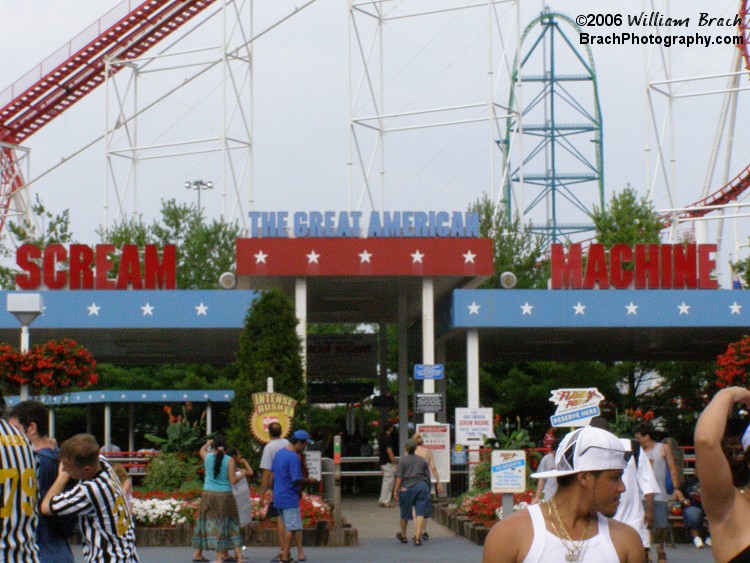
(199, 185)
(25, 307)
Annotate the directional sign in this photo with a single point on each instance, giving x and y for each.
(428, 371)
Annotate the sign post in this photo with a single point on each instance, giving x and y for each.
(337, 533)
(508, 476)
(437, 438)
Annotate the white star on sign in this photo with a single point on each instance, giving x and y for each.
(93, 309)
(260, 257)
(365, 256)
(473, 308)
(469, 257)
(735, 307)
(632, 308)
(579, 308)
(684, 308)
(148, 310)
(313, 257)
(526, 308)
(417, 257)
(201, 309)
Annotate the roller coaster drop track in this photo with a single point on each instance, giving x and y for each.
(735, 187)
(124, 33)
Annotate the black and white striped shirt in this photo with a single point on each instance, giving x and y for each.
(18, 498)
(106, 523)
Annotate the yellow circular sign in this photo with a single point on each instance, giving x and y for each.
(268, 408)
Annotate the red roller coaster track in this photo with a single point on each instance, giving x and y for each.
(125, 32)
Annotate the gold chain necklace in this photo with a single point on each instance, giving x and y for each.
(574, 548)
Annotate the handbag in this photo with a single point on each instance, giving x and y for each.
(670, 485)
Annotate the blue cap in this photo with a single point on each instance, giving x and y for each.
(301, 436)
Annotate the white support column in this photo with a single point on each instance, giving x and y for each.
(51, 418)
(442, 384)
(209, 418)
(428, 336)
(383, 361)
(472, 368)
(403, 370)
(24, 350)
(107, 426)
(300, 309)
(131, 427)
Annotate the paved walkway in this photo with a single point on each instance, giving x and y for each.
(377, 528)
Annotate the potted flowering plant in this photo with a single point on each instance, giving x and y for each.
(163, 521)
(48, 369)
(734, 364)
(487, 507)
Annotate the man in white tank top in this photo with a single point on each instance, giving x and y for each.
(573, 525)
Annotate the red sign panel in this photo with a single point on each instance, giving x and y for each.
(364, 257)
(643, 266)
(89, 267)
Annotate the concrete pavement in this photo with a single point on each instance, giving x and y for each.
(377, 529)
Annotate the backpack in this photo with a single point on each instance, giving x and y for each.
(62, 527)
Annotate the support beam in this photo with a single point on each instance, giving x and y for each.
(131, 427)
(472, 368)
(383, 361)
(51, 418)
(403, 373)
(209, 418)
(107, 426)
(442, 384)
(428, 336)
(300, 309)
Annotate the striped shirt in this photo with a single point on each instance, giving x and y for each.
(18, 498)
(106, 523)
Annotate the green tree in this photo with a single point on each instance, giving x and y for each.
(627, 220)
(268, 347)
(204, 250)
(517, 249)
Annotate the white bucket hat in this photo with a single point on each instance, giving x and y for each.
(587, 449)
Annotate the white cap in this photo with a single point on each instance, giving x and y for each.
(587, 449)
(746, 439)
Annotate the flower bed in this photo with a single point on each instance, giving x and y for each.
(156, 512)
(312, 507)
(488, 507)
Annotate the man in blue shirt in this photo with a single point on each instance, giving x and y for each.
(287, 486)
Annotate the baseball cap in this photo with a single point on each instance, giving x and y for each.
(746, 439)
(587, 449)
(301, 436)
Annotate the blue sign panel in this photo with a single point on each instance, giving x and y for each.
(428, 371)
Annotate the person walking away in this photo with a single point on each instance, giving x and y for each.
(387, 464)
(727, 506)
(546, 486)
(662, 461)
(31, 418)
(125, 482)
(106, 523)
(18, 517)
(217, 526)
(426, 453)
(574, 525)
(640, 483)
(412, 491)
(276, 444)
(287, 488)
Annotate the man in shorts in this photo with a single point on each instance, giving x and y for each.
(266, 480)
(18, 517)
(287, 486)
(412, 490)
(106, 524)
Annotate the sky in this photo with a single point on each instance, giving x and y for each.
(302, 155)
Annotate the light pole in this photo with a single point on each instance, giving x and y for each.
(199, 185)
(25, 307)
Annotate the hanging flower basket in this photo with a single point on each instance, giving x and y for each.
(51, 368)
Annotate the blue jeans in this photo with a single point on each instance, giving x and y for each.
(693, 517)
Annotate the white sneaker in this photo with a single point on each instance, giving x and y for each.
(708, 541)
(698, 542)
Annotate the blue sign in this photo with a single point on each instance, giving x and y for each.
(566, 418)
(428, 371)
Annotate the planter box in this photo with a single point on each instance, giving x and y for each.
(268, 536)
(461, 525)
(167, 536)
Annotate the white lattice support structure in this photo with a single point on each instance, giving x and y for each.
(380, 109)
(15, 165)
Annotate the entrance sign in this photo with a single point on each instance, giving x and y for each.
(341, 356)
(428, 371)
(471, 424)
(508, 471)
(649, 266)
(575, 407)
(437, 438)
(354, 224)
(428, 402)
(268, 408)
(89, 267)
(313, 459)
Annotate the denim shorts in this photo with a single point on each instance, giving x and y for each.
(292, 518)
(417, 496)
(660, 515)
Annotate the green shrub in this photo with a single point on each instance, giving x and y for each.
(172, 472)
